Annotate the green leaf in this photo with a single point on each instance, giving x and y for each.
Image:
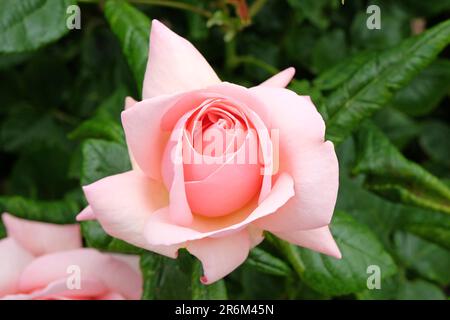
(215, 291)
(99, 128)
(96, 237)
(384, 217)
(29, 24)
(388, 291)
(57, 211)
(394, 28)
(434, 141)
(397, 126)
(104, 124)
(420, 290)
(429, 260)
(27, 128)
(329, 50)
(313, 11)
(132, 28)
(247, 282)
(267, 263)
(398, 288)
(166, 278)
(37, 175)
(343, 71)
(392, 175)
(425, 91)
(101, 159)
(373, 86)
(360, 248)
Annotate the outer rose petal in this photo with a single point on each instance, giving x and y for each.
(58, 290)
(174, 65)
(305, 155)
(14, 259)
(122, 204)
(281, 79)
(86, 214)
(220, 256)
(148, 125)
(41, 238)
(129, 102)
(112, 273)
(160, 231)
(319, 239)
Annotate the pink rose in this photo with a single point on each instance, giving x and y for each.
(195, 183)
(43, 261)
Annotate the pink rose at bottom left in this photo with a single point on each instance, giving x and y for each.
(47, 261)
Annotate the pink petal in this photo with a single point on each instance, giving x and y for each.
(174, 65)
(320, 240)
(160, 230)
(281, 79)
(40, 238)
(123, 203)
(257, 113)
(305, 155)
(148, 126)
(94, 266)
(229, 188)
(179, 210)
(13, 259)
(112, 296)
(129, 102)
(220, 256)
(86, 214)
(58, 290)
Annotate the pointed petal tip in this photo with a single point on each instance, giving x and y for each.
(129, 102)
(86, 214)
(281, 79)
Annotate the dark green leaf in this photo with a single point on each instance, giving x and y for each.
(132, 27)
(103, 158)
(374, 85)
(214, 291)
(104, 124)
(393, 175)
(394, 28)
(425, 91)
(58, 211)
(384, 217)
(435, 141)
(397, 126)
(428, 259)
(27, 128)
(29, 24)
(267, 263)
(399, 288)
(166, 278)
(329, 50)
(341, 72)
(420, 290)
(99, 128)
(360, 249)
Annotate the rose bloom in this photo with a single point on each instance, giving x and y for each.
(195, 183)
(42, 261)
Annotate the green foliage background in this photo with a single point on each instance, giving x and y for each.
(383, 93)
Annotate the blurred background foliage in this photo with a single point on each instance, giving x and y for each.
(383, 93)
